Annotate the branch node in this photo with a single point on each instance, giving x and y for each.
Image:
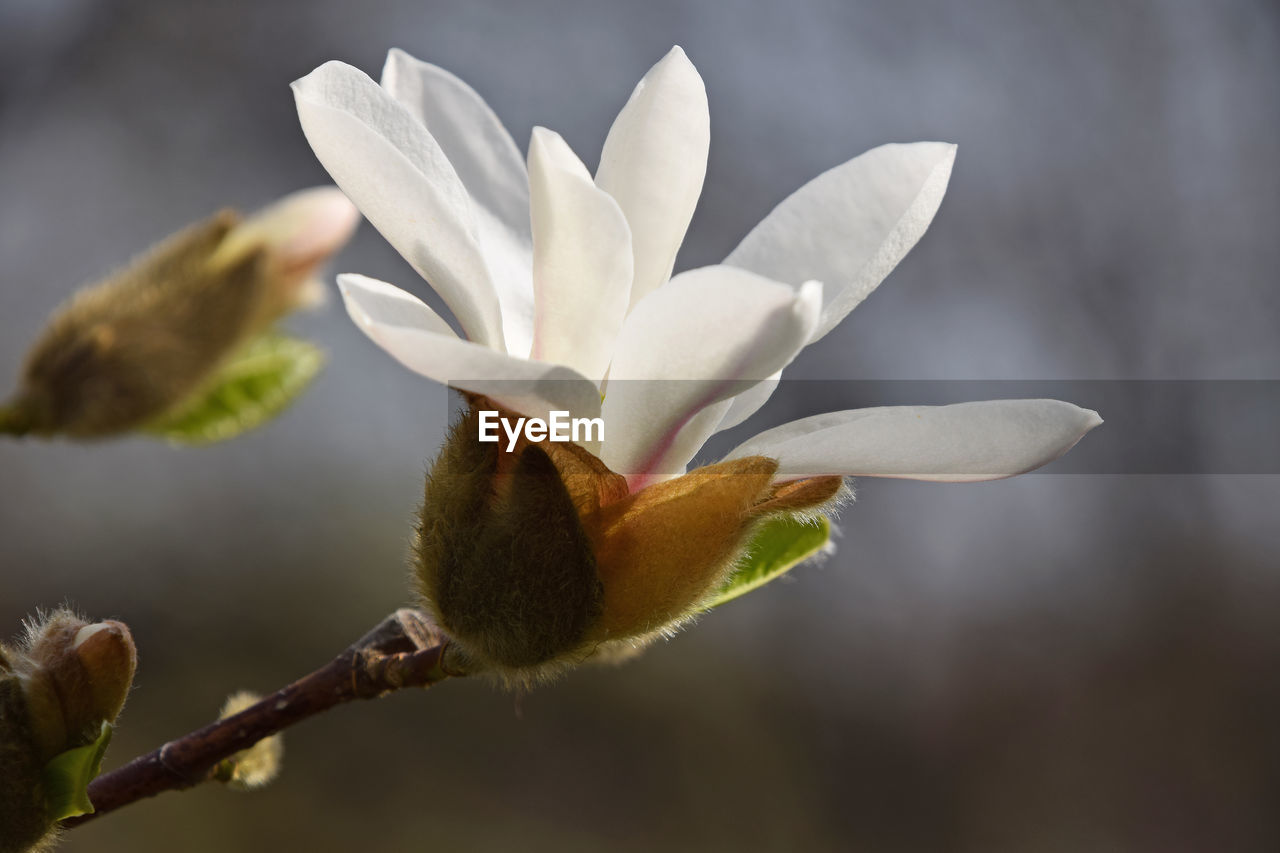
(162, 758)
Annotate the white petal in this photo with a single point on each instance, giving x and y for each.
(582, 260)
(749, 402)
(481, 151)
(387, 163)
(653, 163)
(706, 335)
(850, 226)
(420, 340)
(489, 165)
(956, 443)
(374, 303)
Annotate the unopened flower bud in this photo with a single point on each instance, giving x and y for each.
(57, 690)
(257, 766)
(122, 353)
(91, 667)
(539, 557)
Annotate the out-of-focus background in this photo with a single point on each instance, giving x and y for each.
(1050, 663)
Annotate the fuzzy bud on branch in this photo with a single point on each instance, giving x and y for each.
(60, 688)
(124, 352)
(534, 556)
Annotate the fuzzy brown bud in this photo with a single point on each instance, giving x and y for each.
(120, 354)
(539, 557)
(503, 556)
(57, 688)
(90, 666)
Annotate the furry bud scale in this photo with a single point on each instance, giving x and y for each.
(255, 767)
(502, 556)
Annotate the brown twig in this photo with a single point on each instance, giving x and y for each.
(404, 650)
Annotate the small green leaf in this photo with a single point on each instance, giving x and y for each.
(67, 777)
(258, 383)
(780, 545)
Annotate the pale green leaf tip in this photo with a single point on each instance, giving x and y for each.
(67, 777)
(778, 547)
(256, 385)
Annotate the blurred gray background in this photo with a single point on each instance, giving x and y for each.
(1050, 663)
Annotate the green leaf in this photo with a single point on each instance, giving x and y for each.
(67, 777)
(256, 384)
(779, 546)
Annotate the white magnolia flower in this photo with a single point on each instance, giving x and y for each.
(562, 282)
(548, 554)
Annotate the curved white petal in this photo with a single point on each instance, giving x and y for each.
(654, 161)
(375, 303)
(489, 165)
(850, 226)
(482, 152)
(420, 340)
(957, 443)
(387, 163)
(749, 402)
(581, 260)
(708, 334)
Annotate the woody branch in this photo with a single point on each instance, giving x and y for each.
(405, 650)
